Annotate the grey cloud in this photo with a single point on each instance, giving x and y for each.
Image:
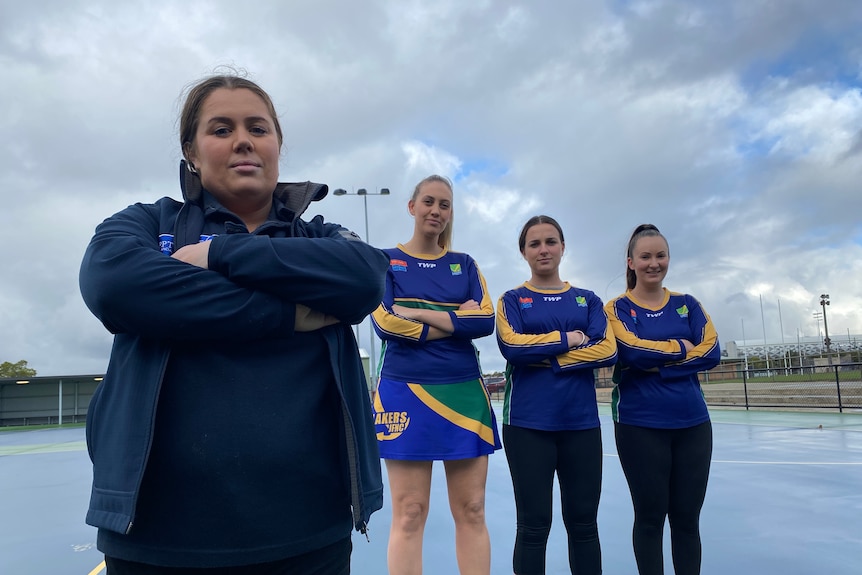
(600, 115)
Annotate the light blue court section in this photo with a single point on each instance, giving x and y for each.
(44, 489)
(785, 497)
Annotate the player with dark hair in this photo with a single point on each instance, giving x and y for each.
(662, 427)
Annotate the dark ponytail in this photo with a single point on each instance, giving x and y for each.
(642, 231)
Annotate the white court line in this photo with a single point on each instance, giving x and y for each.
(740, 462)
(790, 427)
(788, 462)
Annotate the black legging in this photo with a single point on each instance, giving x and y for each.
(333, 559)
(667, 471)
(533, 457)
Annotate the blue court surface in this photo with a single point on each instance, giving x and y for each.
(785, 497)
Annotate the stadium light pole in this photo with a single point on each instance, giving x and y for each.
(824, 301)
(781, 328)
(818, 315)
(765, 345)
(365, 193)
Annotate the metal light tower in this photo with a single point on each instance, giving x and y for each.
(365, 193)
(818, 315)
(824, 301)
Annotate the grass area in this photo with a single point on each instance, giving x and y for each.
(37, 427)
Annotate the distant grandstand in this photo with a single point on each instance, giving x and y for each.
(800, 347)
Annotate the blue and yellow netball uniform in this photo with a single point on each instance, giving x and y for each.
(656, 381)
(431, 402)
(549, 386)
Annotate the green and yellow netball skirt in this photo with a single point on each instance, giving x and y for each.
(434, 421)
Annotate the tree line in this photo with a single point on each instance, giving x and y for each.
(17, 369)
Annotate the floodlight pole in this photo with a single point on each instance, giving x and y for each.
(818, 315)
(372, 377)
(824, 301)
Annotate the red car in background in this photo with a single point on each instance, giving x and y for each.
(495, 384)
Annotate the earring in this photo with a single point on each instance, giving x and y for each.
(191, 167)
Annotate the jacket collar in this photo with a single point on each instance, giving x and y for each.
(295, 196)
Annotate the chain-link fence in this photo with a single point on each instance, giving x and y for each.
(837, 386)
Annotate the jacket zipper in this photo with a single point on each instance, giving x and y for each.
(350, 440)
(149, 442)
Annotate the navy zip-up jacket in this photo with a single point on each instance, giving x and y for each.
(148, 300)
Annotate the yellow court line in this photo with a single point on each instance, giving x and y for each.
(37, 448)
(99, 568)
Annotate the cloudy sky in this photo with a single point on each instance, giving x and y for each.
(734, 126)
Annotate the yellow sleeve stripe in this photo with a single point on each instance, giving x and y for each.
(627, 338)
(605, 349)
(397, 326)
(709, 339)
(513, 339)
(486, 306)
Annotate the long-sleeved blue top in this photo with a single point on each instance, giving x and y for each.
(549, 386)
(657, 383)
(441, 283)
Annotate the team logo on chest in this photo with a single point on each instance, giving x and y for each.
(398, 265)
(682, 311)
(582, 301)
(455, 269)
(526, 302)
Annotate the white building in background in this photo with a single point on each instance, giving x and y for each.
(809, 346)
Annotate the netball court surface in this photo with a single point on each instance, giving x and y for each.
(785, 497)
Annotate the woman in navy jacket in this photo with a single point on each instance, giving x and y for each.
(233, 426)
